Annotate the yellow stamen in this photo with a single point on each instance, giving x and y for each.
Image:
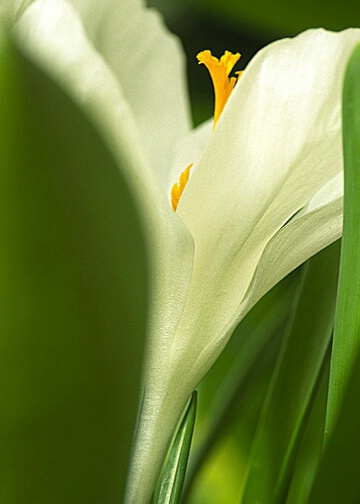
(178, 188)
(219, 70)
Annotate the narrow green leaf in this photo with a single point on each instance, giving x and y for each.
(311, 446)
(337, 480)
(171, 482)
(294, 382)
(347, 321)
(338, 477)
(72, 299)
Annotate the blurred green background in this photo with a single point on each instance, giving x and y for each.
(245, 27)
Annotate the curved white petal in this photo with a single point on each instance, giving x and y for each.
(150, 66)
(315, 227)
(52, 34)
(277, 143)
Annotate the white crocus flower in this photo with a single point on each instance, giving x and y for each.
(264, 193)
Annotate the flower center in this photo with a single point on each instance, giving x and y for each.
(219, 70)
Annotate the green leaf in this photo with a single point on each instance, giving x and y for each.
(294, 382)
(337, 480)
(338, 477)
(311, 445)
(347, 321)
(72, 299)
(171, 481)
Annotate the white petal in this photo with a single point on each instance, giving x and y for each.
(150, 66)
(312, 229)
(277, 143)
(51, 32)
